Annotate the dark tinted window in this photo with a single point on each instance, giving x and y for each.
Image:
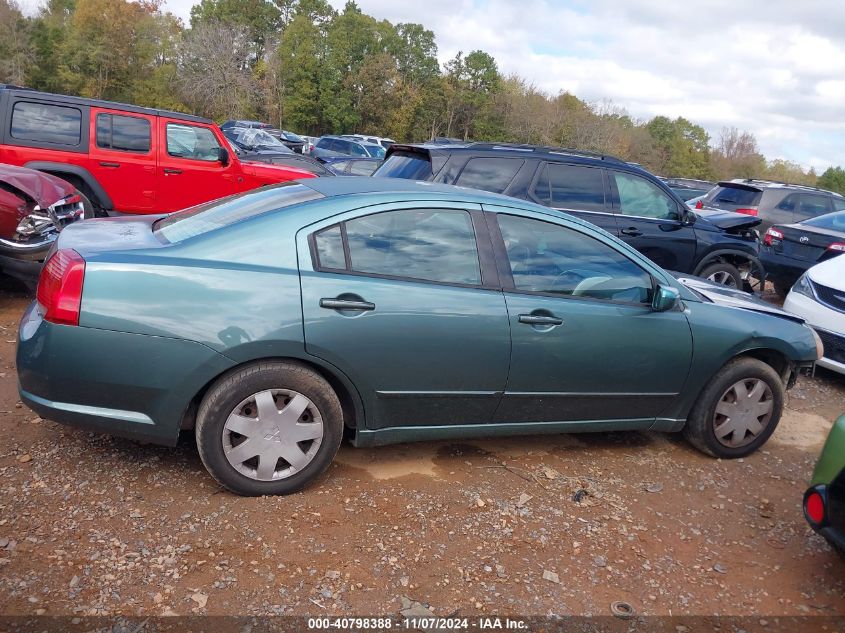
(329, 244)
(434, 245)
(124, 133)
(838, 203)
(489, 174)
(811, 205)
(324, 143)
(830, 221)
(410, 165)
(789, 203)
(736, 195)
(549, 258)
(571, 187)
(46, 123)
(642, 198)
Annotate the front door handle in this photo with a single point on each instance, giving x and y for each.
(538, 319)
(632, 232)
(171, 172)
(346, 304)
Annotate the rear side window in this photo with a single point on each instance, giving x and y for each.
(123, 133)
(324, 143)
(46, 123)
(203, 218)
(425, 244)
(408, 165)
(838, 203)
(737, 195)
(811, 205)
(571, 187)
(489, 174)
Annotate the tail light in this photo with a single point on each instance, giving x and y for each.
(814, 506)
(699, 205)
(747, 211)
(837, 246)
(772, 234)
(60, 287)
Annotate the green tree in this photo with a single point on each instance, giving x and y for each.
(15, 44)
(297, 67)
(259, 17)
(833, 179)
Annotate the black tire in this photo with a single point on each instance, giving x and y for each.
(723, 268)
(700, 427)
(231, 389)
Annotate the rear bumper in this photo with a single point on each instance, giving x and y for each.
(782, 269)
(131, 385)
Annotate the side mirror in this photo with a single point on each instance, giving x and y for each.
(688, 217)
(665, 298)
(223, 156)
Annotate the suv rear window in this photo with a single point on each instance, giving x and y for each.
(46, 123)
(408, 165)
(737, 195)
(123, 133)
(203, 218)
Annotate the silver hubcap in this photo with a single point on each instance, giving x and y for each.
(743, 412)
(272, 435)
(724, 278)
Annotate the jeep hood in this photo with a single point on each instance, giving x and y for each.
(728, 219)
(43, 188)
(733, 298)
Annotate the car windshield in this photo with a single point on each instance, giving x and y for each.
(831, 221)
(253, 137)
(409, 165)
(293, 138)
(203, 218)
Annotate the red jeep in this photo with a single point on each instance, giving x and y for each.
(123, 158)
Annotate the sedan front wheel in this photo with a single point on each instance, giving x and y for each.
(269, 428)
(738, 410)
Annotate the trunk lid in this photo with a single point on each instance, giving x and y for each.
(728, 219)
(109, 234)
(804, 242)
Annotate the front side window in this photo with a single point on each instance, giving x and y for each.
(191, 141)
(641, 198)
(425, 244)
(553, 259)
(489, 174)
(571, 187)
(123, 133)
(46, 123)
(357, 150)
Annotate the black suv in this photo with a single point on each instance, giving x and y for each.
(623, 199)
(772, 202)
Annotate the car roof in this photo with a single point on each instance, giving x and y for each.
(516, 148)
(333, 187)
(760, 185)
(99, 103)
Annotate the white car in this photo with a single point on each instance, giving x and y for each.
(375, 140)
(819, 297)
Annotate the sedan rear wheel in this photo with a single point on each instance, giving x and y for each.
(723, 274)
(738, 410)
(269, 428)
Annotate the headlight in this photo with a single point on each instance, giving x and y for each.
(804, 287)
(819, 344)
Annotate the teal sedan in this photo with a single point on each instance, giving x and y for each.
(274, 322)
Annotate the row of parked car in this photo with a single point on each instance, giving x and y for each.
(665, 351)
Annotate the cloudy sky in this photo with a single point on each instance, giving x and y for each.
(772, 67)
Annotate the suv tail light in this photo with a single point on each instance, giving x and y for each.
(837, 246)
(747, 211)
(814, 506)
(60, 287)
(772, 234)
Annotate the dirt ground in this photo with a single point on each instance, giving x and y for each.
(93, 525)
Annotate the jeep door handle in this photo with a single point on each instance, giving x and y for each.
(537, 319)
(172, 172)
(346, 304)
(108, 164)
(632, 232)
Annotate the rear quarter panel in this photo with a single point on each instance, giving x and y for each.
(832, 460)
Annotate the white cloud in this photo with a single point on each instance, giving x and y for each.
(772, 67)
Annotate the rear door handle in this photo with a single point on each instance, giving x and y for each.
(632, 232)
(536, 319)
(168, 171)
(108, 164)
(346, 304)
